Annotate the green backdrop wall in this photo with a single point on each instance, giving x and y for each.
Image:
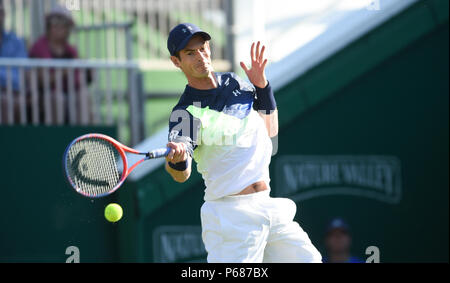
(41, 216)
(399, 109)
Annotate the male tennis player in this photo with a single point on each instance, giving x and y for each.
(225, 124)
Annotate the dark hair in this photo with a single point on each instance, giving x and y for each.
(177, 54)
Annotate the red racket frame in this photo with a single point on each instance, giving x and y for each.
(120, 148)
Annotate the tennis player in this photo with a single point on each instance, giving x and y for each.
(225, 124)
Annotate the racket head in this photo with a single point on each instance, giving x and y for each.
(92, 165)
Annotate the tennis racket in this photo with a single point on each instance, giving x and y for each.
(96, 164)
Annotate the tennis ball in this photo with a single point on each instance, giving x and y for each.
(113, 212)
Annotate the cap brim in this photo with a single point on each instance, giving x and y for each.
(185, 42)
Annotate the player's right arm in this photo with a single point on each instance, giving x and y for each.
(183, 134)
(178, 158)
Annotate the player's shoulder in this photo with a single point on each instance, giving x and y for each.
(184, 101)
(231, 76)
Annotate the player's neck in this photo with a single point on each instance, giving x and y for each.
(209, 82)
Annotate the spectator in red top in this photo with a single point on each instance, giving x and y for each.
(54, 44)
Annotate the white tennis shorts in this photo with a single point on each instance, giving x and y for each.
(255, 228)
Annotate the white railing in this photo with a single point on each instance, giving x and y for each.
(72, 92)
(152, 21)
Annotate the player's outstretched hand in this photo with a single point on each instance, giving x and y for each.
(177, 154)
(256, 73)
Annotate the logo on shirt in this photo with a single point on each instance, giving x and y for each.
(236, 92)
(238, 110)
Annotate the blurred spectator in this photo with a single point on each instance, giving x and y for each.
(338, 241)
(54, 44)
(10, 47)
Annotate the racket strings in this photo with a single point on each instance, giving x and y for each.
(93, 166)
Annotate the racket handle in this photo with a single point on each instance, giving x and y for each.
(158, 153)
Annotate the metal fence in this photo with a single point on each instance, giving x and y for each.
(72, 92)
(151, 22)
(118, 32)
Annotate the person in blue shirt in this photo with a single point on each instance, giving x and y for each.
(10, 47)
(338, 241)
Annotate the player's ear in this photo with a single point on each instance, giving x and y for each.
(176, 61)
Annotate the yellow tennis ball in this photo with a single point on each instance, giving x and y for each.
(113, 212)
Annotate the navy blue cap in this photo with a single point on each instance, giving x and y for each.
(181, 34)
(338, 223)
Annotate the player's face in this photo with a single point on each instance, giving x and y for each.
(195, 58)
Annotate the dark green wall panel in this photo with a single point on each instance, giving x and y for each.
(398, 109)
(40, 214)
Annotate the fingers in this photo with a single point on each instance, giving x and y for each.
(177, 154)
(252, 52)
(257, 55)
(264, 64)
(261, 55)
(244, 67)
(257, 51)
(169, 156)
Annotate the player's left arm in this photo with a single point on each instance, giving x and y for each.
(271, 121)
(265, 102)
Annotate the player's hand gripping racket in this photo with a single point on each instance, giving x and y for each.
(92, 164)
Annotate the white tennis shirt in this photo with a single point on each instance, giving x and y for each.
(226, 137)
